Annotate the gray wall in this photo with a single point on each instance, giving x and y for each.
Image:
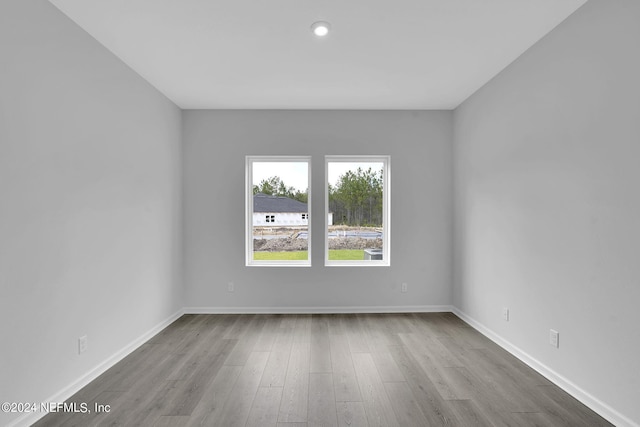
(90, 203)
(216, 143)
(548, 203)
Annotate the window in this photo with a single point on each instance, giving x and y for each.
(357, 203)
(277, 211)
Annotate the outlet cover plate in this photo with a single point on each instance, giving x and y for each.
(82, 344)
(554, 338)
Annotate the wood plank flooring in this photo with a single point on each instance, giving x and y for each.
(323, 370)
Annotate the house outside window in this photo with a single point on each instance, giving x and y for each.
(277, 210)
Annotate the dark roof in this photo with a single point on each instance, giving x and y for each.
(266, 203)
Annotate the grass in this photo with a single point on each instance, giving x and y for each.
(346, 254)
(280, 256)
(342, 254)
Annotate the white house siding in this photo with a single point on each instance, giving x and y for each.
(281, 219)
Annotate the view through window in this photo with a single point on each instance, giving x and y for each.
(357, 204)
(278, 210)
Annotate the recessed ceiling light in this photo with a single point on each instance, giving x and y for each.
(320, 28)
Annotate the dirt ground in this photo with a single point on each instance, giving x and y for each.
(291, 243)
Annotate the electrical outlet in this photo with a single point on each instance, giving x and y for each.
(554, 338)
(231, 287)
(403, 288)
(505, 314)
(82, 344)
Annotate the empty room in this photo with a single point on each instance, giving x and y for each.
(296, 213)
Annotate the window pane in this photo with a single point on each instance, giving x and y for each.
(356, 211)
(279, 226)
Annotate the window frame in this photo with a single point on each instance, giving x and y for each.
(386, 210)
(249, 261)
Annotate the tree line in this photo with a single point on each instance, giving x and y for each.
(356, 199)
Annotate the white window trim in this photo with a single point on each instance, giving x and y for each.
(249, 261)
(386, 212)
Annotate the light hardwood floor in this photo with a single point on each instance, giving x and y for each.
(323, 370)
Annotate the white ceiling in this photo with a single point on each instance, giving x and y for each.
(261, 54)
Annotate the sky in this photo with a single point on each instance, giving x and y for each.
(294, 174)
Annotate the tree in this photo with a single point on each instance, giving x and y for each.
(356, 198)
(274, 186)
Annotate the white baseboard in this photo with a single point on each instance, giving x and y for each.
(319, 310)
(601, 408)
(29, 418)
